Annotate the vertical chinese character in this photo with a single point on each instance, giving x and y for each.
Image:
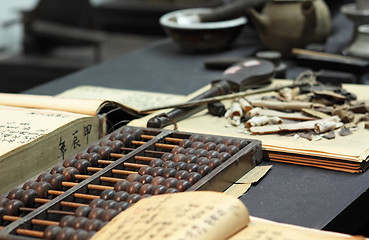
(75, 140)
(87, 131)
(62, 147)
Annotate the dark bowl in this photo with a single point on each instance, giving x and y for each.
(192, 35)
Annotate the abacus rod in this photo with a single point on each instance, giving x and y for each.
(50, 211)
(32, 233)
(168, 139)
(62, 203)
(33, 221)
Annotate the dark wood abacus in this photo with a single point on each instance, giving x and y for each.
(79, 196)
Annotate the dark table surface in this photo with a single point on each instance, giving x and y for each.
(305, 196)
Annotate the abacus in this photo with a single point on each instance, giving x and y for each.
(83, 193)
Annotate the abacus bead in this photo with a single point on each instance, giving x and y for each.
(109, 204)
(197, 145)
(65, 233)
(181, 166)
(116, 146)
(50, 232)
(195, 137)
(221, 147)
(159, 180)
(121, 185)
(67, 221)
(42, 189)
(157, 162)
(232, 149)
(134, 187)
(92, 225)
(185, 143)
(93, 158)
(201, 152)
(167, 157)
(105, 152)
(203, 161)
(69, 174)
(95, 213)
(157, 171)
(91, 234)
(44, 177)
(204, 170)
(28, 197)
(122, 206)
(240, 143)
(3, 201)
(29, 184)
(169, 172)
(214, 163)
(179, 158)
(209, 146)
(133, 177)
(192, 158)
(79, 234)
(96, 203)
(12, 207)
(57, 169)
(146, 196)
(127, 139)
(80, 222)
(145, 170)
(135, 197)
(146, 189)
(82, 165)
(121, 196)
(183, 185)
(15, 193)
(177, 150)
(105, 142)
(170, 182)
(2, 213)
(126, 129)
(159, 189)
(81, 155)
(82, 211)
(172, 190)
(108, 194)
(189, 151)
(218, 140)
(182, 174)
(193, 177)
(168, 164)
(228, 141)
(116, 136)
(69, 162)
(224, 156)
(56, 181)
(145, 179)
(192, 167)
(206, 139)
(212, 154)
(93, 148)
(136, 133)
(108, 215)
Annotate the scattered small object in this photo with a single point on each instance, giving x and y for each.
(344, 131)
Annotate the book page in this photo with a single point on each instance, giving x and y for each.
(135, 100)
(19, 126)
(188, 215)
(261, 229)
(356, 148)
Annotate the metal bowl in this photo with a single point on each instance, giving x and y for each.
(185, 28)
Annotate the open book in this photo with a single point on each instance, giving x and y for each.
(344, 153)
(201, 215)
(36, 132)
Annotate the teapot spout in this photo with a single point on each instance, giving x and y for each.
(261, 22)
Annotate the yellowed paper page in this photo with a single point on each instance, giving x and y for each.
(133, 99)
(81, 106)
(19, 126)
(261, 229)
(188, 215)
(237, 190)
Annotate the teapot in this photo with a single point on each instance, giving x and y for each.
(286, 24)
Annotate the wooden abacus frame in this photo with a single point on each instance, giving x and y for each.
(218, 179)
